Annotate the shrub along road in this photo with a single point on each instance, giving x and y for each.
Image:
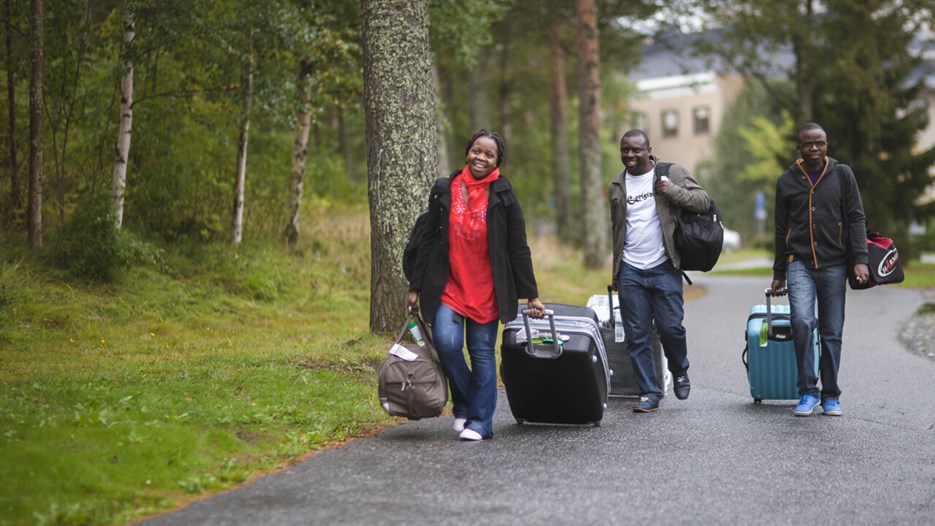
(715, 458)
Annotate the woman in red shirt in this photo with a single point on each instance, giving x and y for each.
(471, 276)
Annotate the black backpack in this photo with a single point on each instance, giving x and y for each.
(419, 232)
(699, 237)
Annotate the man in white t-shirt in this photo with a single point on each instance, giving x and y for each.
(647, 264)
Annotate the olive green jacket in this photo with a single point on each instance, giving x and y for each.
(684, 192)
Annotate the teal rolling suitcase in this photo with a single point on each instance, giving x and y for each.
(769, 355)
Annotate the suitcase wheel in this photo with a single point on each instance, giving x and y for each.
(596, 424)
(757, 401)
(520, 421)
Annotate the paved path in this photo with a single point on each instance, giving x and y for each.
(714, 459)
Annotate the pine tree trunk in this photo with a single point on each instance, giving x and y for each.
(34, 214)
(479, 96)
(15, 199)
(506, 65)
(561, 157)
(241, 180)
(804, 72)
(126, 121)
(399, 106)
(441, 143)
(299, 154)
(594, 207)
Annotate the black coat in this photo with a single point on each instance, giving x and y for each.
(510, 258)
(821, 225)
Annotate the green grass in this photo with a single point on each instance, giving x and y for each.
(196, 372)
(121, 400)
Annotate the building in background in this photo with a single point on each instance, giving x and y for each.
(682, 99)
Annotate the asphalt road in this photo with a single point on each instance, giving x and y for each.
(715, 458)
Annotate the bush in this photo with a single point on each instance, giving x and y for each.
(88, 246)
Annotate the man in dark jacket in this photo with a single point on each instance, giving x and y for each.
(820, 225)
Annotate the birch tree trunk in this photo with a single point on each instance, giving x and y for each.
(399, 106)
(299, 154)
(241, 179)
(594, 207)
(15, 198)
(34, 214)
(561, 156)
(122, 156)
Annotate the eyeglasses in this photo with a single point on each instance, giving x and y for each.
(813, 144)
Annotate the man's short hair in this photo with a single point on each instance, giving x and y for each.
(808, 126)
(636, 133)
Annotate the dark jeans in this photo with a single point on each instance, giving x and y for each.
(826, 286)
(647, 298)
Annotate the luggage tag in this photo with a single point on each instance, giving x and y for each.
(539, 337)
(403, 353)
(547, 338)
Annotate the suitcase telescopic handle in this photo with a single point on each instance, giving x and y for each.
(769, 308)
(530, 346)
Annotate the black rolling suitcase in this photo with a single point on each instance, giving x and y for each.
(560, 374)
(623, 380)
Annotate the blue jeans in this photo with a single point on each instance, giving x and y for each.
(648, 297)
(474, 390)
(827, 286)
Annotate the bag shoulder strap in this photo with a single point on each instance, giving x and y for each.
(662, 170)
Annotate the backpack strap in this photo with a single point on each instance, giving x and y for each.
(662, 170)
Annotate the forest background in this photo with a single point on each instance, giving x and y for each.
(191, 199)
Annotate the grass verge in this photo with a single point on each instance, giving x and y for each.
(197, 372)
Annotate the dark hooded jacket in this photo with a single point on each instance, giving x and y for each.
(821, 225)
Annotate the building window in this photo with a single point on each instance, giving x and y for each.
(639, 121)
(702, 116)
(670, 123)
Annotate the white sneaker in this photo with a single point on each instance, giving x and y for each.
(470, 434)
(458, 426)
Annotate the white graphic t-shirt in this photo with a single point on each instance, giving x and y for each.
(643, 247)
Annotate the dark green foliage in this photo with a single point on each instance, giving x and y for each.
(88, 246)
(870, 107)
(727, 176)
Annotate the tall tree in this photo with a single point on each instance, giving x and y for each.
(299, 151)
(122, 156)
(871, 106)
(594, 208)
(864, 91)
(240, 179)
(401, 155)
(558, 135)
(15, 197)
(757, 30)
(68, 47)
(34, 214)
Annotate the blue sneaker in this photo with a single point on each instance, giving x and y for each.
(831, 407)
(806, 404)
